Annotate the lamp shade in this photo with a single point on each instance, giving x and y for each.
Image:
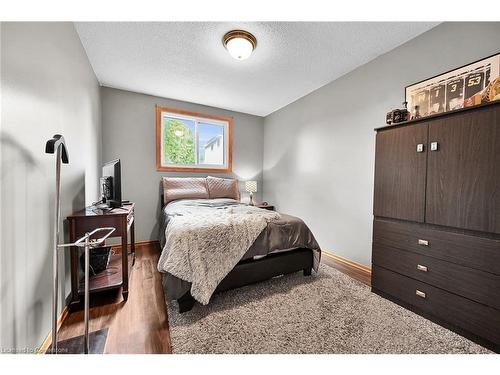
(251, 186)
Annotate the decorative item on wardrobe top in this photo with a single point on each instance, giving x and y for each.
(470, 85)
(474, 84)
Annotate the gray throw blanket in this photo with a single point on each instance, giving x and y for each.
(203, 244)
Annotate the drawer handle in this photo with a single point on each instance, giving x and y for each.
(421, 268)
(423, 242)
(420, 293)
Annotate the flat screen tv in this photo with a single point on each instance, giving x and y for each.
(111, 185)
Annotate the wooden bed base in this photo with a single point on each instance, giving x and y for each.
(252, 271)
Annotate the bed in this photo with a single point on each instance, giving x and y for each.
(211, 242)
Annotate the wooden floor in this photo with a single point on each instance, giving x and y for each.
(141, 324)
(138, 326)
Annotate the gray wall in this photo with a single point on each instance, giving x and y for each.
(48, 87)
(129, 133)
(319, 150)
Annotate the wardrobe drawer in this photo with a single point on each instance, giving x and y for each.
(458, 311)
(470, 251)
(468, 282)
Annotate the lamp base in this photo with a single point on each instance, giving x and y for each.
(251, 200)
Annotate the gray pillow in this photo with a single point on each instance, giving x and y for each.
(223, 188)
(175, 188)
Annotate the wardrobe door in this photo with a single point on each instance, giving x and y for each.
(400, 171)
(463, 177)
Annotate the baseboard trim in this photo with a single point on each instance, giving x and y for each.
(48, 340)
(348, 262)
(356, 270)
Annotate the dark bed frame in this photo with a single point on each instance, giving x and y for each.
(253, 271)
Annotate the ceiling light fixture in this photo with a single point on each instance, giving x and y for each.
(239, 43)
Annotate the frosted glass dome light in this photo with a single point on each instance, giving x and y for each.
(239, 48)
(240, 44)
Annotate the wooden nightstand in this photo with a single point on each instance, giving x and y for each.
(122, 219)
(268, 207)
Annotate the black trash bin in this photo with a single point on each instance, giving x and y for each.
(98, 259)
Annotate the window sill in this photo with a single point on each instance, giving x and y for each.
(184, 169)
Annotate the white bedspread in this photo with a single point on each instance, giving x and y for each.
(204, 243)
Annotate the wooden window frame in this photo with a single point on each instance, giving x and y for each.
(229, 120)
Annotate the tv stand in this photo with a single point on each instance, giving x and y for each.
(86, 220)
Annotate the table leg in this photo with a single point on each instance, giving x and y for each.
(75, 298)
(132, 240)
(86, 299)
(124, 260)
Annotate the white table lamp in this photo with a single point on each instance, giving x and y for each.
(251, 187)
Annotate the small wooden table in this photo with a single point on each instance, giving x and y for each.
(86, 220)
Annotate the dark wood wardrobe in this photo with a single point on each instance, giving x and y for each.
(436, 227)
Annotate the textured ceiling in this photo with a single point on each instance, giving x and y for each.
(187, 61)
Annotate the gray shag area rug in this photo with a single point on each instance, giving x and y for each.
(328, 312)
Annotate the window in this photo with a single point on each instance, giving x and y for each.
(188, 141)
